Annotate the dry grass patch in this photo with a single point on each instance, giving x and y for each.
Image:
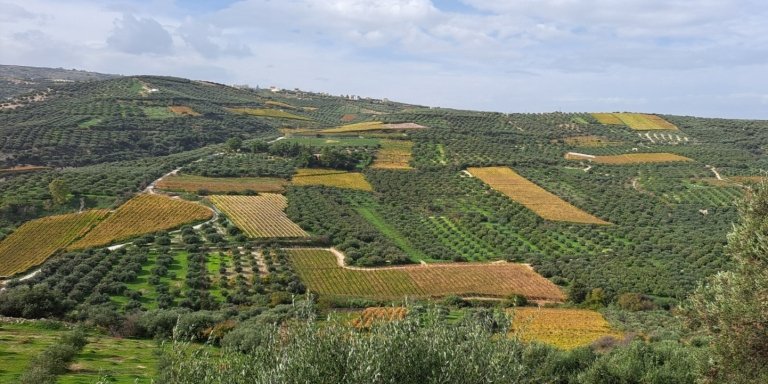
(542, 202)
(22, 169)
(260, 216)
(629, 158)
(195, 184)
(372, 126)
(607, 119)
(141, 215)
(590, 141)
(276, 113)
(561, 327)
(183, 110)
(320, 271)
(37, 240)
(394, 154)
(331, 178)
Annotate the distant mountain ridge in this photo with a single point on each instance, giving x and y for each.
(17, 80)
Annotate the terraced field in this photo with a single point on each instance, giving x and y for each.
(140, 215)
(37, 240)
(562, 327)
(542, 202)
(260, 216)
(331, 178)
(195, 184)
(320, 271)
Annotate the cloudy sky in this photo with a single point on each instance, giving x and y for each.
(687, 57)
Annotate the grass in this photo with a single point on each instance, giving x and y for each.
(194, 184)
(356, 127)
(126, 361)
(334, 141)
(629, 158)
(562, 327)
(276, 113)
(331, 178)
(158, 112)
(542, 202)
(90, 122)
(391, 233)
(319, 271)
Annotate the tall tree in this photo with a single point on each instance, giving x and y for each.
(732, 306)
(59, 191)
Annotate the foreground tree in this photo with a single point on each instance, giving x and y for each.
(732, 306)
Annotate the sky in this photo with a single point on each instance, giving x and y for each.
(686, 57)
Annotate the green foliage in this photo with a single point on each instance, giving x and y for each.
(732, 307)
(59, 191)
(55, 359)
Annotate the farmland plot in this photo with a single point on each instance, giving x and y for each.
(561, 327)
(590, 141)
(331, 178)
(37, 240)
(542, 202)
(394, 154)
(194, 184)
(183, 110)
(372, 126)
(260, 216)
(636, 121)
(321, 273)
(628, 158)
(373, 315)
(140, 215)
(276, 113)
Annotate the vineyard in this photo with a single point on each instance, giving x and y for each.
(206, 185)
(260, 216)
(372, 315)
(636, 121)
(629, 158)
(35, 241)
(394, 154)
(331, 178)
(140, 215)
(321, 273)
(533, 197)
(561, 327)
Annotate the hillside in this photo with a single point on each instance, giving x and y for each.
(16, 80)
(225, 205)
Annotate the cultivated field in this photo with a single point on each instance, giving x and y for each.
(276, 113)
(607, 118)
(590, 141)
(260, 216)
(629, 158)
(183, 110)
(636, 121)
(320, 271)
(394, 154)
(372, 126)
(545, 204)
(331, 178)
(140, 215)
(22, 169)
(373, 315)
(194, 184)
(37, 240)
(561, 327)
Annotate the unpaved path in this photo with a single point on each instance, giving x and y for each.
(151, 187)
(714, 170)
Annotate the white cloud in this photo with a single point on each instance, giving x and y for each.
(140, 35)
